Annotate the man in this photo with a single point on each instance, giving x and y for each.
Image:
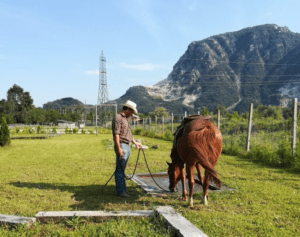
(122, 138)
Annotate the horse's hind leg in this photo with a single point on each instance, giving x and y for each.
(184, 192)
(200, 176)
(205, 187)
(190, 168)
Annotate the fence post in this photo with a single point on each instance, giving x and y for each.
(150, 124)
(172, 123)
(185, 115)
(198, 112)
(155, 123)
(144, 123)
(294, 124)
(249, 127)
(219, 115)
(163, 122)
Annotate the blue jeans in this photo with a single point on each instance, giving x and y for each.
(121, 162)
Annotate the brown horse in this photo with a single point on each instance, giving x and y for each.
(199, 145)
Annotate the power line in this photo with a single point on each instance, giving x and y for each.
(207, 75)
(199, 59)
(243, 83)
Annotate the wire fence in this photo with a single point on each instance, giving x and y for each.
(235, 130)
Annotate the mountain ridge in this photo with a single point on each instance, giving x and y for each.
(256, 65)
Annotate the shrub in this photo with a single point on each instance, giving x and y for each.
(138, 131)
(39, 129)
(4, 133)
(233, 116)
(233, 144)
(82, 131)
(148, 133)
(17, 129)
(168, 136)
(66, 130)
(265, 154)
(296, 164)
(75, 130)
(287, 159)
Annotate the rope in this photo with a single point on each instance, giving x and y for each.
(137, 160)
(152, 175)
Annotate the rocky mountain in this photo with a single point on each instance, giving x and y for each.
(147, 103)
(259, 65)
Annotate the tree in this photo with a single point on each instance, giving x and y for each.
(19, 102)
(159, 112)
(91, 116)
(234, 115)
(4, 133)
(223, 112)
(52, 115)
(205, 111)
(22, 100)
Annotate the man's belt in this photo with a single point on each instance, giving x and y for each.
(124, 142)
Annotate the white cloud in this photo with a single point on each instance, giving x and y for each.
(133, 80)
(270, 13)
(141, 67)
(192, 6)
(92, 72)
(143, 13)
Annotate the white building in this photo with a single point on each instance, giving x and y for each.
(64, 124)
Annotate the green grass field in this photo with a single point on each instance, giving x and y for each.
(68, 173)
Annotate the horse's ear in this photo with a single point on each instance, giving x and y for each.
(168, 163)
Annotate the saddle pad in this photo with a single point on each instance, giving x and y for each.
(193, 117)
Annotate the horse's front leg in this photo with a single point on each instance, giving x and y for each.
(184, 192)
(190, 168)
(200, 175)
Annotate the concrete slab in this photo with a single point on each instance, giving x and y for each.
(16, 220)
(178, 223)
(92, 214)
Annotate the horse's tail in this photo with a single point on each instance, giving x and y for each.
(204, 161)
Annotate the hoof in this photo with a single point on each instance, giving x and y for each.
(205, 200)
(191, 202)
(183, 199)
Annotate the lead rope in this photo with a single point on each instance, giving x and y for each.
(152, 175)
(137, 161)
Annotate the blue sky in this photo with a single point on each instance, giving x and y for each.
(52, 48)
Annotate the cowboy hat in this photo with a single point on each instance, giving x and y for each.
(131, 105)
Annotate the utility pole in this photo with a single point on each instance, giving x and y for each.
(102, 92)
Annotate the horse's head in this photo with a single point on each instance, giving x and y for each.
(174, 175)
